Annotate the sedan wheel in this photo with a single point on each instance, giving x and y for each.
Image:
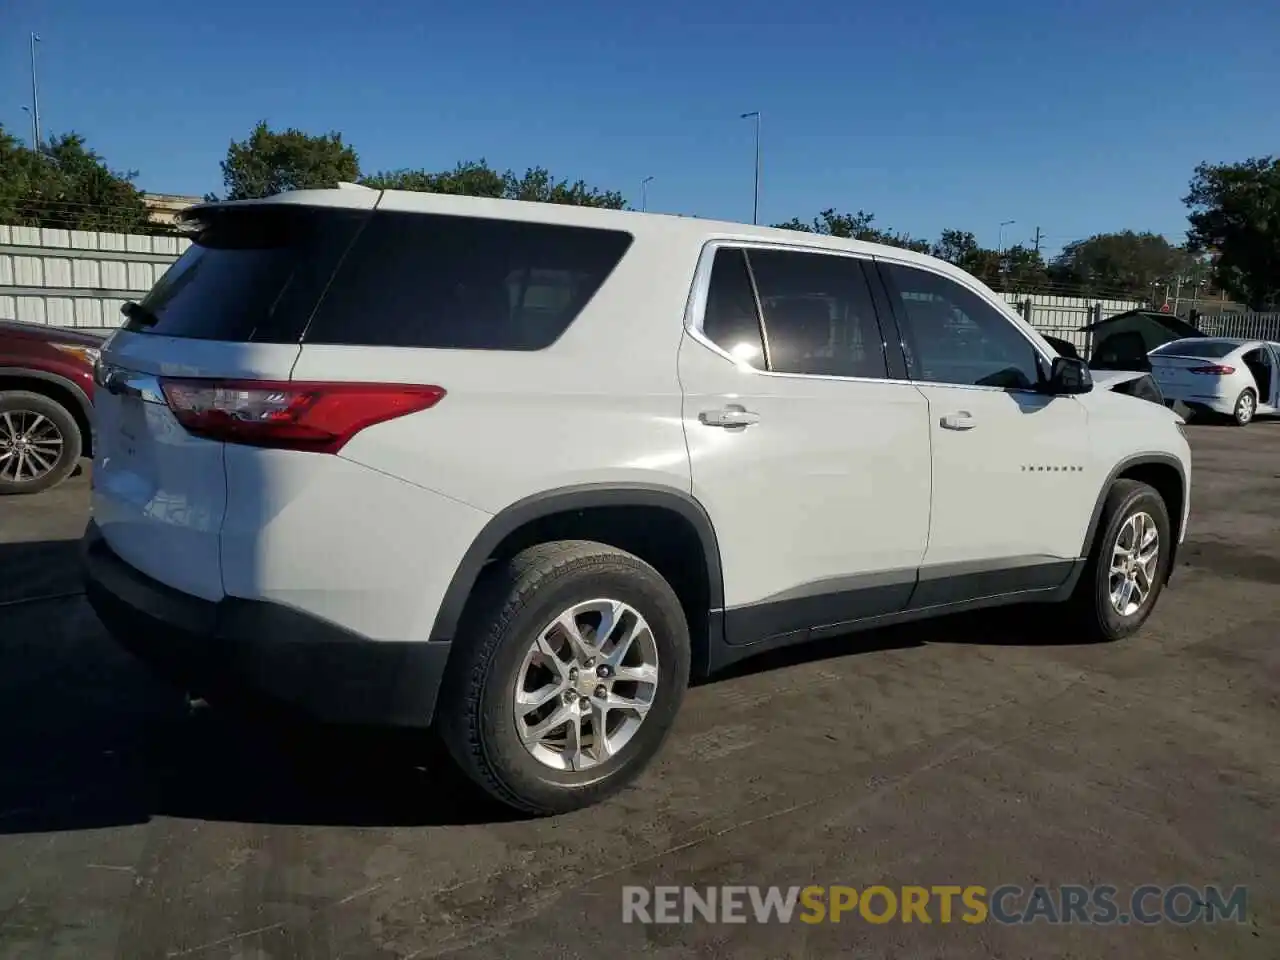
(1246, 407)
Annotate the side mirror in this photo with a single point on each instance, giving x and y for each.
(1069, 375)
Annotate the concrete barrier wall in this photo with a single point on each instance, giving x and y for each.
(78, 278)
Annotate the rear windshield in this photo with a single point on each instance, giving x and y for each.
(251, 273)
(1210, 349)
(422, 280)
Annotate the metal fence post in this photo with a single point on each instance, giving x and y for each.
(1095, 316)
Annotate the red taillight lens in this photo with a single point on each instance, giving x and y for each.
(320, 417)
(1213, 370)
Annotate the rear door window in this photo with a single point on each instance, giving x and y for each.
(731, 320)
(818, 314)
(424, 280)
(253, 273)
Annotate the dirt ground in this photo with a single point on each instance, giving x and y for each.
(964, 751)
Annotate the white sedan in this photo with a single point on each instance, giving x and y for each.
(1234, 378)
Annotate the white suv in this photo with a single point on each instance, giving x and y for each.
(517, 471)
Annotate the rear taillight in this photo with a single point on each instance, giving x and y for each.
(1212, 370)
(320, 417)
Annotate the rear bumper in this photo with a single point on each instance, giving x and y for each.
(1201, 402)
(308, 665)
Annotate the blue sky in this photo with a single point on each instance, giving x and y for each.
(1078, 118)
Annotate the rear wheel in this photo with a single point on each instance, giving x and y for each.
(1246, 407)
(39, 442)
(570, 667)
(1127, 566)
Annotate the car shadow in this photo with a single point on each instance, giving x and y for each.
(92, 739)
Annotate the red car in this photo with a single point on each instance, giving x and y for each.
(46, 404)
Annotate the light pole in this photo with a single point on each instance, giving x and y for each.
(755, 206)
(644, 194)
(35, 97)
(1004, 266)
(1003, 224)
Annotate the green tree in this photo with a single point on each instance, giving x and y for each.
(1022, 269)
(1125, 263)
(854, 226)
(956, 246)
(67, 185)
(476, 178)
(269, 162)
(961, 248)
(1236, 217)
(471, 179)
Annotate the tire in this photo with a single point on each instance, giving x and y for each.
(25, 416)
(1095, 616)
(515, 603)
(1246, 407)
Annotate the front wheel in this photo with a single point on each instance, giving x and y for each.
(39, 442)
(570, 667)
(1127, 566)
(1246, 406)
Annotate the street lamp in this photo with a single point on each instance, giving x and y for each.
(755, 206)
(35, 96)
(644, 194)
(1003, 224)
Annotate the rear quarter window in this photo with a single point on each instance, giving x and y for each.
(424, 280)
(252, 273)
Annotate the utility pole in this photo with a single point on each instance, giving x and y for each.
(755, 206)
(1038, 238)
(644, 194)
(35, 97)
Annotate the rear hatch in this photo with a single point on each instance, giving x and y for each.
(1191, 367)
(232, 309)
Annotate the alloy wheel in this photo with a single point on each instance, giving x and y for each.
(30, 446)
(586, 684)
(1244, 408)
(1135, 558)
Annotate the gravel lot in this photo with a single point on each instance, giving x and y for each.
(965, 751)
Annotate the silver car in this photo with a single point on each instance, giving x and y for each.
(1226, 376)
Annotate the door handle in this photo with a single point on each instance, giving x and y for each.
(963, 420)
(730, 416)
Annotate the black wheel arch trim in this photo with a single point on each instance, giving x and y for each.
(566, 500)
(1128, 463)
(76, 391)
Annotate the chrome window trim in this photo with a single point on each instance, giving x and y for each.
(697, 303)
